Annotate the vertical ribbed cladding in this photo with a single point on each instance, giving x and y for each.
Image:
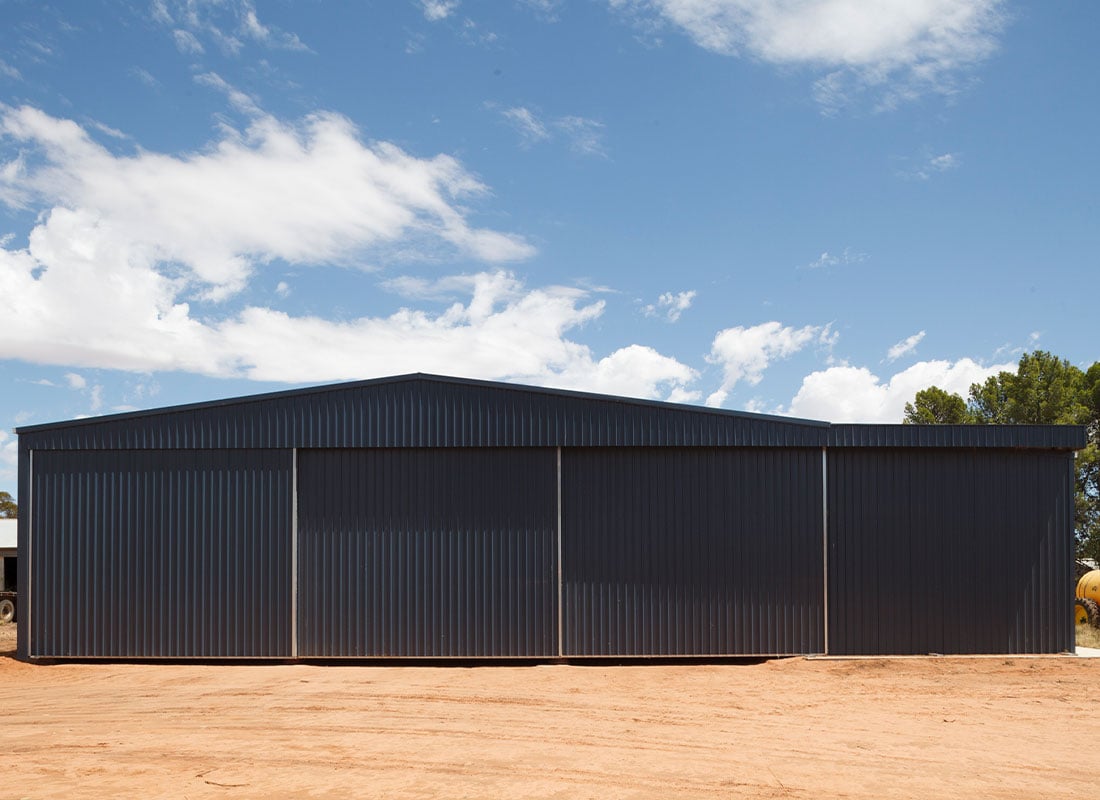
(1038, 437)
(161, 554)
(692, 552)
(23, 581)
(426, 412)
(935, 551)
(422, 553)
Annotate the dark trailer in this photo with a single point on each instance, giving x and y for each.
(430, 517)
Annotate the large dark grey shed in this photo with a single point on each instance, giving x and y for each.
(423, 517)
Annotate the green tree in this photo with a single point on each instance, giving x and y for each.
(934, 406)
(1087, 501)
(1044, 390)
(1088, 471)
(8, 508)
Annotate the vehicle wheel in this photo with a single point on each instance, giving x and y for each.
(1092, 610)
(7, 610)
(1080, 613)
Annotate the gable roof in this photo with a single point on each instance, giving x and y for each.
(421, 410)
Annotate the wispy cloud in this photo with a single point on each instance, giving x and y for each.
(546, 10)
(927, 167)
(900, 49)
(1009, 349)
(114, 133)
(468, 30)
(187, 43)
(670, 305)
(526, 124)
(944, 162)
(93, 391)
(145, 77)
(475, 34)
(251, 26)
(242, 102)
(435, 10)
(446, 289)
(827, 259)
(585, 136)
(229, 24)
(75, 381)
(904, 347)
(8, 71)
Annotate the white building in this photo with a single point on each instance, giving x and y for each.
(8, 544)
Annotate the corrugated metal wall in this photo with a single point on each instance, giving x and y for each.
(160, 554)
(692, 551)
(424, 553)
(24, 566)
(429, 527)
(427, 412)
(950, 551)
(1062, 437)
(432, 411)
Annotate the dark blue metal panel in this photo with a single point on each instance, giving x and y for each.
(430, 411)
(425, 411)
(692, 552)
(427, 553)
(86, 518)
(160, 554)
(950, 551)
(24, 530)
(1042, 437)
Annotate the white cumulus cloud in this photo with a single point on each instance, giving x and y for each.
(745, 353)
(855, 394)
(77, 297)
(127, 249)
(303, 192)
(917, 45)
(80, 297)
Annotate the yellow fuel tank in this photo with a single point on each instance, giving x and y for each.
(1089, 585)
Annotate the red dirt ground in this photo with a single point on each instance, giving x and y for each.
(793, 728)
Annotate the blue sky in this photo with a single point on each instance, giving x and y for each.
(812, 208)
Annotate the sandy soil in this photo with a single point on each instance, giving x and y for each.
(795, 728)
